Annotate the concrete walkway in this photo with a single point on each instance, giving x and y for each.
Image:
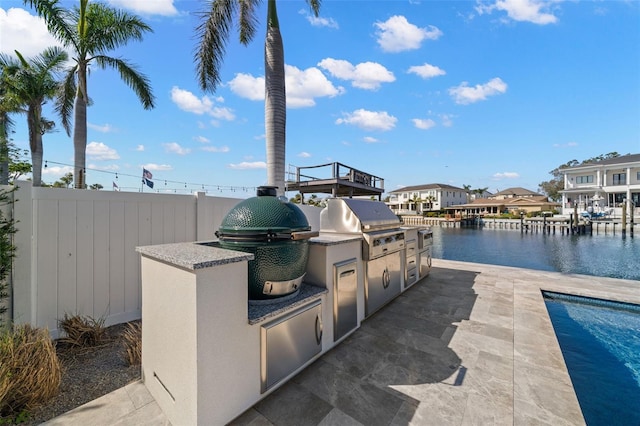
(470, 344)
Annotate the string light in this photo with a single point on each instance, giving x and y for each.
(116, 175)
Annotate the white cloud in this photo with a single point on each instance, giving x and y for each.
(446, 119)
(105, 128)
(566, 145)
(248, 87)
(534, 11)
(366, 75)
(426, 71)
(140, 148)
(319, 21)
(216, 148)
(424, 124)
(370, 139)
(57, 170)
(246, 165)
(303, 87)
(189, 102)
(304, 154)
(147, 7)
(101, 152)
(369, 120)
(506, 175)
(26, 33)
(201, 139)
(396, 34)
(157, 167)
(176, 148)
(464, 94)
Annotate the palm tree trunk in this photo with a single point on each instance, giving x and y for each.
(80, 130)
(275, 105)
(4, 149)
(34, 114)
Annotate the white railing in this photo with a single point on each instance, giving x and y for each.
(76, 249)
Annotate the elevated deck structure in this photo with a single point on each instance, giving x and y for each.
(336, 179)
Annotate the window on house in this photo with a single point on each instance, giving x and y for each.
(584, 179)
(619, 178)
(638, 176)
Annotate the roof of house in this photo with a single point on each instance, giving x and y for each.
(426, 186)
(517, 191)
(629, 158)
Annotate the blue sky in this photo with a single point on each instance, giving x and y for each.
(489, 94)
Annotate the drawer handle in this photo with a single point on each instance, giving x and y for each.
(318, 329)
(347, 273)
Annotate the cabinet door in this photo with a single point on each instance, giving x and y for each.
(289, 342)
(382, 281)
(345, 303)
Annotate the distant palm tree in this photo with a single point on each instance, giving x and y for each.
(213, 33)
(27, 85)
(91, 31)
(8, 105)
(467, 191)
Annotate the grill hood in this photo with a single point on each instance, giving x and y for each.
(348, 215)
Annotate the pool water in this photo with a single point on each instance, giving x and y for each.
(600, 255)
(600, 342)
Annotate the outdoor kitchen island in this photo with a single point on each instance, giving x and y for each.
(208, 354)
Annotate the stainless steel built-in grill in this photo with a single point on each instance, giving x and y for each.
(382, 243)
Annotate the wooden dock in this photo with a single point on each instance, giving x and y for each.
(547, 225)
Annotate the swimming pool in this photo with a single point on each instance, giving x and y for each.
(600, 342)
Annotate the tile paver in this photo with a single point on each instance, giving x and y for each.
(470, 344)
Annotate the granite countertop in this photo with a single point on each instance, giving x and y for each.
(263, 311)
(193, 255)
(330, 239)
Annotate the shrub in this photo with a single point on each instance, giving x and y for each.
(30, 371)
(133, 343)
(7, 253)
(82, 331)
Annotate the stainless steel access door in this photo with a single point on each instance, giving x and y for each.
(345, 303)
(289, 342)
(382, 281)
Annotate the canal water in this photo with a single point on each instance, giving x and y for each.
(600, 255)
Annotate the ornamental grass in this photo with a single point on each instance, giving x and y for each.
(82, 331)
(132, 340)
(30, 371)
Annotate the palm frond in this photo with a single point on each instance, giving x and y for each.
(64, 101)
(247, 20)
(57, 19)
(108, 28)
(137, 81)
(213, 35)
(315, 6)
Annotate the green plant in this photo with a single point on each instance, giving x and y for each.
(82, 330)
(7, 253)
(30, 371)
(133, 343)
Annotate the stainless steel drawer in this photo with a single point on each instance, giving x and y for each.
(411, 246)
(289, 342)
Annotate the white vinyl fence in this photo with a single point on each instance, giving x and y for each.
(76, 249)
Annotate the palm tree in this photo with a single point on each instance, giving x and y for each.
(7, 106)
(213, 33)
(91, 31)
(27, 86)
(467, 190)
